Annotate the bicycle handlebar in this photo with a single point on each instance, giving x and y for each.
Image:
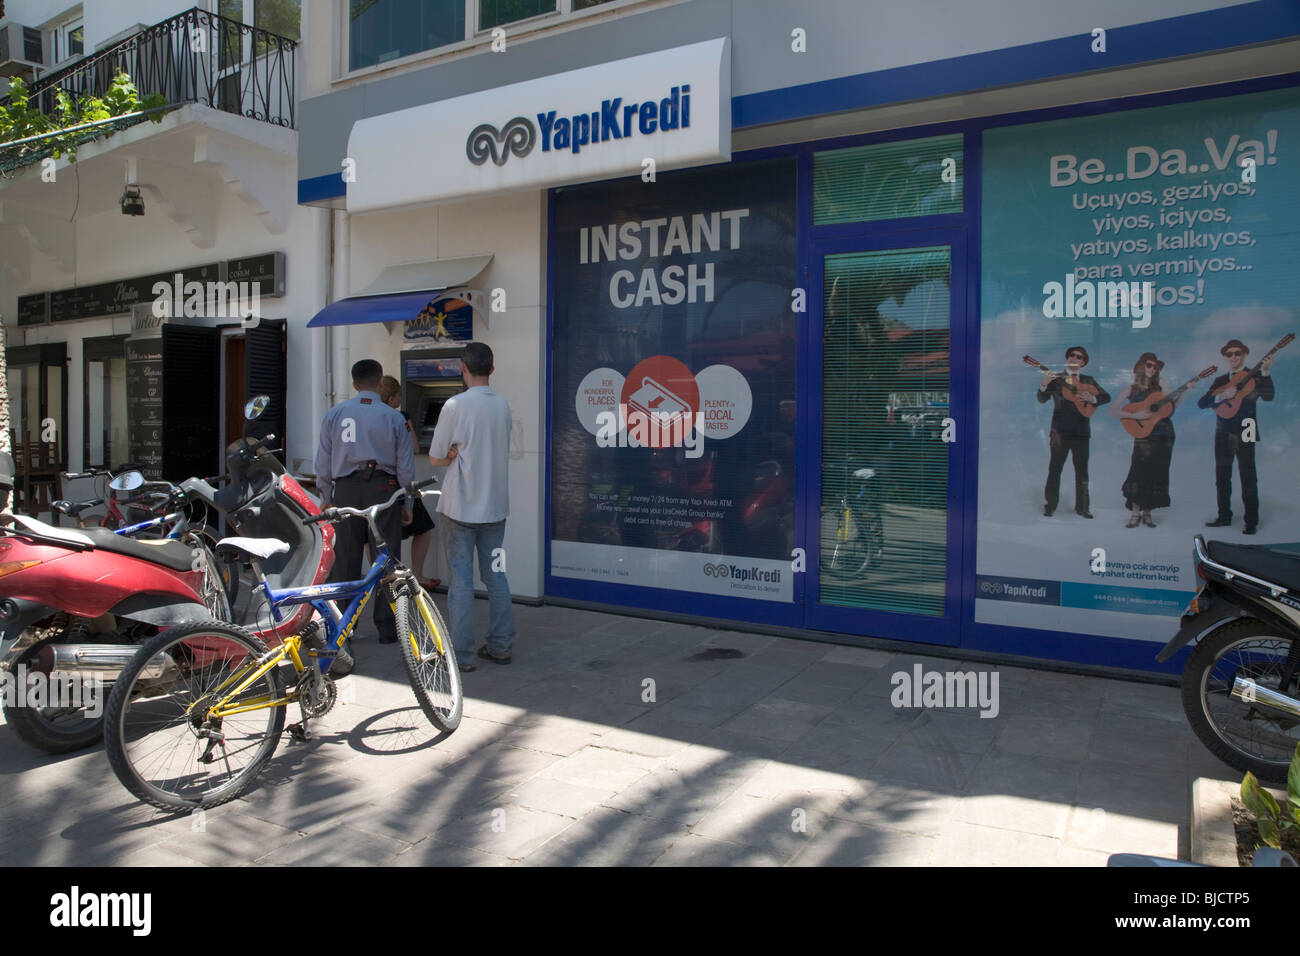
(335, 513)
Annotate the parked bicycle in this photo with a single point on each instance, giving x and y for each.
(859, 527)
(199, 710)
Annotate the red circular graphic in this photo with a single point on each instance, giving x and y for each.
(661, 397)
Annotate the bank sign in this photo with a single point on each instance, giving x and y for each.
(659, 111)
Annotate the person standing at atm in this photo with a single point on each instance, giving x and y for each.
(472, 441)
(365, 455)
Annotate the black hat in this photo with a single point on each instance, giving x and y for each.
(1077, 348)
(1234, 344)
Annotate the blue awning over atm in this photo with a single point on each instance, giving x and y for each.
(401, 292)
(356, 310)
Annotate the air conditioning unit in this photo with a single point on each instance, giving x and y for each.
(22, 50)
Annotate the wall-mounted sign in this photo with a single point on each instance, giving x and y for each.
(598, 122)
(34, 309)
(267, 271)
(446, 319)
(118, 298)
(144, 383)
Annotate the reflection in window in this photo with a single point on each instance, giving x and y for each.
(383, 30)
(884, 399)
(915, 177)
(493, 13)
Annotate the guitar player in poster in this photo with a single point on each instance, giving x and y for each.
(1075, 397)
(1233, 397)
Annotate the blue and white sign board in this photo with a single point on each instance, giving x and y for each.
(598, 122)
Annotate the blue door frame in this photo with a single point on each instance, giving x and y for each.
(944, 629)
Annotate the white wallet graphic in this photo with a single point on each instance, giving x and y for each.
(657, 402)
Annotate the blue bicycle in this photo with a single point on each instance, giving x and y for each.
(199, 710)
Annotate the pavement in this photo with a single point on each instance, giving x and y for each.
(614, 740)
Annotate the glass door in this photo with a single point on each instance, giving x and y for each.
(883, 515)
(105, 409)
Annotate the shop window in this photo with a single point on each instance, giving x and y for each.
(884, 473)
(105, 397)
(916, 177)
(585, 4)
(384, 30)
(493, 13)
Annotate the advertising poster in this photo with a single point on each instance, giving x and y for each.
(674, 382)
(1157, 248)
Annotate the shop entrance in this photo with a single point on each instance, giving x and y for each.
(883, 514)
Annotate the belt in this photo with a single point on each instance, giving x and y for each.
(367, 471)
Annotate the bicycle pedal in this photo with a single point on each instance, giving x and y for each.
(299, 732)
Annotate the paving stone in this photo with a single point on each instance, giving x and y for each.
(969, 844)
(779, 780)
(944, 732)
(1044, 736)
(694, 850)
(857, 656)
(601, 769)
(607, 837)
(845, 843)
(909, 809)
(510, 831)
(340, 846)
(943, 771)
(431, 852)
(781, 827)
(1023, 814)
(555, 796)
(1149, 752)
(229, 839)
(647, 744)
(680, 798)
(1126, 789)
(777, 718)
(1111, 832)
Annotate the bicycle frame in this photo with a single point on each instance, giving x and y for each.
(319, 596)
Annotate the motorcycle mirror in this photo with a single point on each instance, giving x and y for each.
(127, 481)
(256, 406)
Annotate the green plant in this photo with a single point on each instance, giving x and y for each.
(20, 119)
(1272, 818)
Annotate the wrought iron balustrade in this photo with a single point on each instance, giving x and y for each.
(193, 57)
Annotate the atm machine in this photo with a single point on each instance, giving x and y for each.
(430, 376)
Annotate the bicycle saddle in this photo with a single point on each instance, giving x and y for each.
(260, 548)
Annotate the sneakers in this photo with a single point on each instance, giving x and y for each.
(490, 655)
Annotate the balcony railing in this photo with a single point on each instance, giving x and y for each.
(193, 57)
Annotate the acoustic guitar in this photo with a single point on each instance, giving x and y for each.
(1244, 382)
(1071, 393)
(1160, 406)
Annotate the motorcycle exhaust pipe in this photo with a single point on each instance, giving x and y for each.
(102, 662)
(1243, 688)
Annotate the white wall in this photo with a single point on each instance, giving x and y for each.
(512, 230)
(112, 246)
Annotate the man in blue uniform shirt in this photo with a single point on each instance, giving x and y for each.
(365, 455)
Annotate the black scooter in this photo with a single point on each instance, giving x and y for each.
(1241, 684)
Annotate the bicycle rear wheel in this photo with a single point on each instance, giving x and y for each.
(430, 658)
(159, 740)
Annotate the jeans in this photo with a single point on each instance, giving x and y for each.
(1228, 447)
(460, 541)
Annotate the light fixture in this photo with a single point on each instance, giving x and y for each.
(132, 202)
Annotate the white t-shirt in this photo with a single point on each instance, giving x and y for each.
(475, 489)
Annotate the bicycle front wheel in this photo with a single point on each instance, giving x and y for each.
(162, 740)
(430, 658)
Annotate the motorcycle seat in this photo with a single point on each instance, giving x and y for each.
(260, 548)
(1277, 567)
(165, 551)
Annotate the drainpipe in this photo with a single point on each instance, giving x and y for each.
(341, 346)
(321, 359)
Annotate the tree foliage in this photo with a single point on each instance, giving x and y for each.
(21, 118)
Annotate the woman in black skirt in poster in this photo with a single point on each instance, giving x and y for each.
(1147, 484)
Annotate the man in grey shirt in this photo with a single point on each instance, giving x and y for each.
(472, 439)
(365, 455)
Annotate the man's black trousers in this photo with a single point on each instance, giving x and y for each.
(1228, 446)
(1077, 447)
(349, 545)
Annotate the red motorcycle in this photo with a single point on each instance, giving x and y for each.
(76, 604)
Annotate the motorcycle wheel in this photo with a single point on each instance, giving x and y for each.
(228, 570)
(1249, 737)
(55, 730)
